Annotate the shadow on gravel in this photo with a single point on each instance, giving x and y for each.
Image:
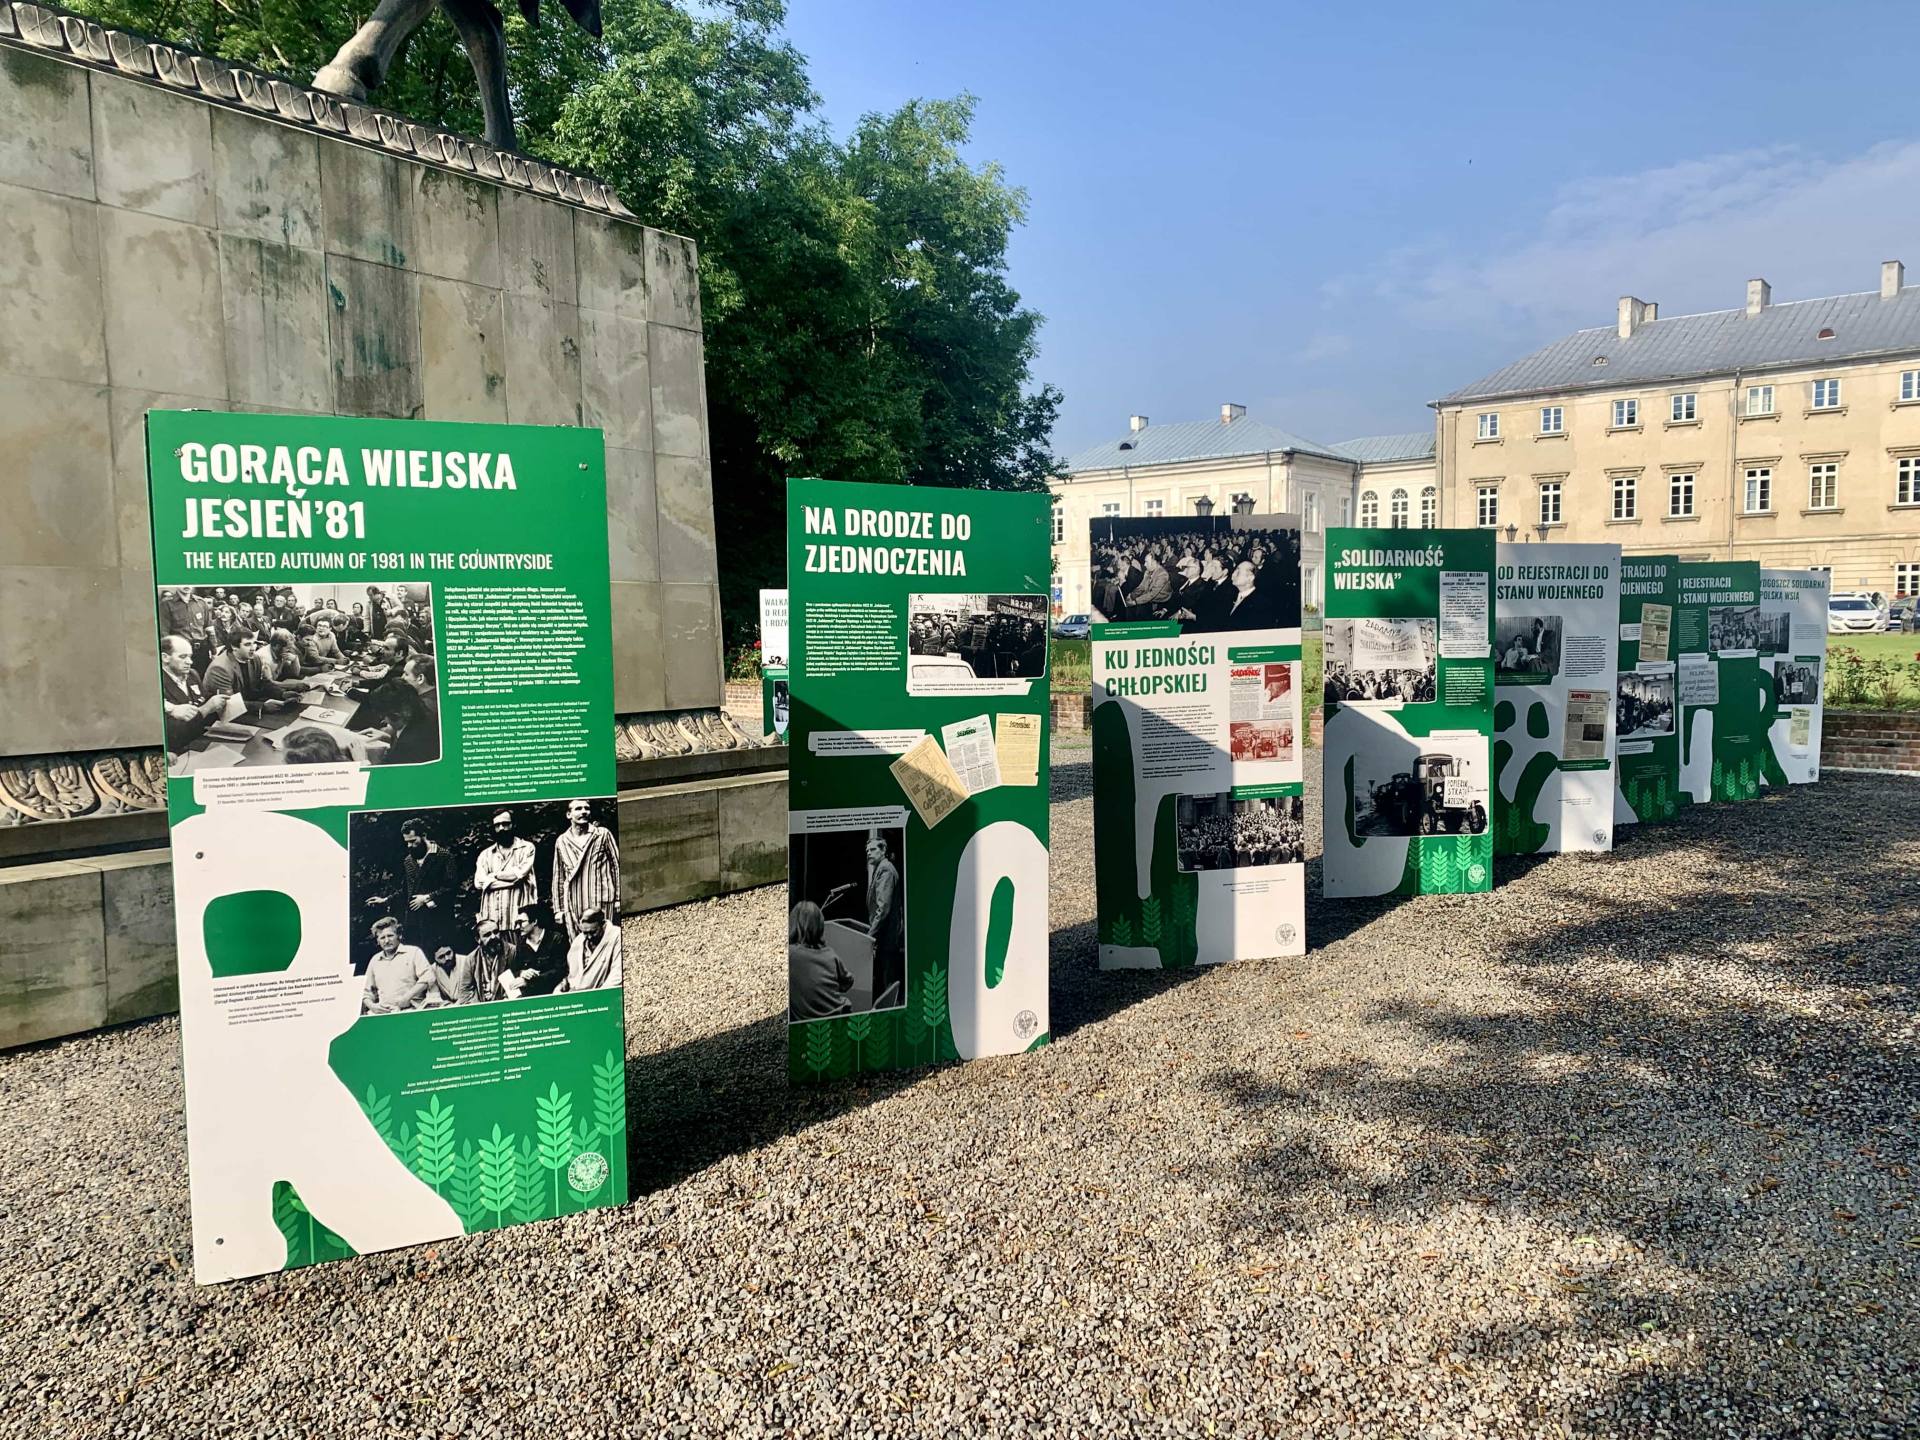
(699, 1103)
(1734, 1096)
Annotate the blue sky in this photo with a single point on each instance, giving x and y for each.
(1334, 214)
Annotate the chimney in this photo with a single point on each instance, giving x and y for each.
(1653, 312)
(1231, 412)
(1892, 276)
(1633, 314)
(1759, 296)
(1136, 423)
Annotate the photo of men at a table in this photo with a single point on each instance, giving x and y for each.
(298, 675)
(847, 929)
(467, 904)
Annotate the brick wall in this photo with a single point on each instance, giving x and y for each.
(1871, 740)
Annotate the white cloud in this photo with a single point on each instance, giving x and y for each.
(1688, 235)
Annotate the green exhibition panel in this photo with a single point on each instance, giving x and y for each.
(917, 791)
(1409, 712)
(1555, 652)
(1793, 609)
(1723, 695)
(385, 666)
(1646, 709)
(1199, 833)
(773, 664)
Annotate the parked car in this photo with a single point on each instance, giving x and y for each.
(1854, 614)
(1072, 627)
(1903, 613)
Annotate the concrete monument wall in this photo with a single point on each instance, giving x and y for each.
(178, 232)
(158, 251)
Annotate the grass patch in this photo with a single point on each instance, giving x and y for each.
(1873, 672)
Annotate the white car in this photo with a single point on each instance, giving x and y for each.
(1854, 613)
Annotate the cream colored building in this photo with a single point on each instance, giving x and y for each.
(1784, 433)
(1219, 466)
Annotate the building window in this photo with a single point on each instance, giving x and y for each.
(1369, 510)
(1397, 509)
(1309, 579)
(1429, 508)
(1155, 509)
(1760, 400)
(1490, 425)
(1311, 509)
(1346, 510)
(1487, 505)
(1626, 497)
(1759, 489)
(1826, 394)
(1109, 507)
(1553, 420)
(1906, 482)
(1906, 578)
(1910, 384)
(1243, 504)
(1626, 414)
(1549, 502)
(1059, 525)
(1680, 495)
(1686, 407)
(1823, 485)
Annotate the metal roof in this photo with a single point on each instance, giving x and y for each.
(1193, 440)
(1385, 449)
(1717, 343)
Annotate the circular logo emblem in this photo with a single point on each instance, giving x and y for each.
(1284, 934)
(588, 1172)
(1599, 837)
(1025, 1023)
(1476, 872)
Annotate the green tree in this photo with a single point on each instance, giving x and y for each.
(859, 323)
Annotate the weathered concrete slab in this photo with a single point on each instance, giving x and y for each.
(639, 650)
(753, 830)
(611, 256)
(374, 332)
(633, 527)
(679, 396)
(165, 327)
(669, 846)
(53, 967)
(691, 626)
(543, 361)
(153, 151)
(463, 348)
(275, 301)
(137, 919)
(43, 117)
(686, 520)
(52, 319)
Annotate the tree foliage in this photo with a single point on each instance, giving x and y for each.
(858, 316)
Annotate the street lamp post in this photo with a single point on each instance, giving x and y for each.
(1203, 507)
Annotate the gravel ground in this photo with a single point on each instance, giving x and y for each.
(1625, 1148)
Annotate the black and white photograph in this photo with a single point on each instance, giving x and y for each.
(1796, 682)
(1437, 793)
(846, 922)
(782, 703)
(1380, 661)
(963, 643)
(256, 675)
(1218, 832)
(1775, 632)
(1209, 572)
(466, 904)
(1644, 707)
(1733, 627)
(1526, 649)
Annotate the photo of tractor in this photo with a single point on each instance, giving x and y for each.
(1415, 802)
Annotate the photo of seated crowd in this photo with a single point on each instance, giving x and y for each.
(1218, 832)
(474, 903)
(1526, 647)
(1209, 572)
(298, 675)
(997, 637)
(1644, 705)
(1411, 682)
